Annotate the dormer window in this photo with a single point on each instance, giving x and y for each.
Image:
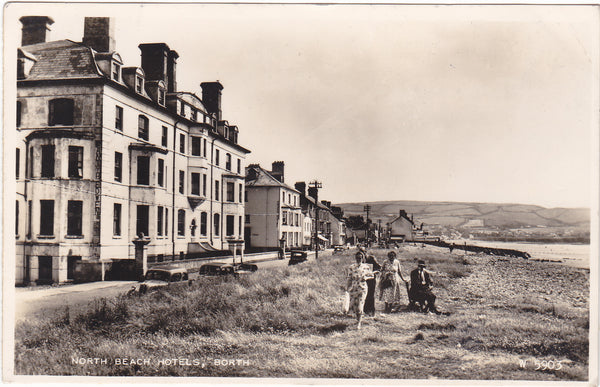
(161, 96)
(139, 84)
(116, 72)
(226, 132)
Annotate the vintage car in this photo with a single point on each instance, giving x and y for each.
(222, 268)
(297, 256)
(158, 277)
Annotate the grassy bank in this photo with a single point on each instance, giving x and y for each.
(288, 323)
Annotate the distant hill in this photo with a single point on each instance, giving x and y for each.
(455, 214)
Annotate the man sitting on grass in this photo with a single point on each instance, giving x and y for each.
(420, 289)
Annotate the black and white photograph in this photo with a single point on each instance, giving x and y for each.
(301, 193)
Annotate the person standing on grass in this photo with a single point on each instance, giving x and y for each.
(356, 285)
(389, 284)
(420, 288)
(371, 284)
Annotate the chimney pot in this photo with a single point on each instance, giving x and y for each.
(35, 29)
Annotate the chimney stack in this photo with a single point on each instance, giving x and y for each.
(277, 170)
(35, 29)
(301, 187)
(98, 33)
(211, 97)
(154, 61)
(403, 214)
(312, 192)
(171, 74)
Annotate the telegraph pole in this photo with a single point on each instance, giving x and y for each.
(316, 185)
(367, 208)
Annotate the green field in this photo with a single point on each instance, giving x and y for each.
(506, 318)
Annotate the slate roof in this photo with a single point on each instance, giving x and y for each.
(62, 59)
(265, 179)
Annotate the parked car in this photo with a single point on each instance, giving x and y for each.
(297, 256)
(222, 268)
(158, 277)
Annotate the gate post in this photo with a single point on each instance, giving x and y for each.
(141, 255)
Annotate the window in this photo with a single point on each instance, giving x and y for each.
(143, 127)
(181, 182)
(47, 160)
(194, 115)
(161, 172)
(297, 218)
(143, 170)
(139, 84)
(195, 183)
(216, 190)
(18, 163)
(75, 161)
(29, 213)
(164, 140)
(47, 217)
(230, 192)
(159, 221)
(246, 196)
(141, 224)
(196, 146)
(182, 109)
(284, 218)
(295, 200)
(241, 191)
(166, 221)
(181, 143)
(217, 224)
(30, 162)
(203, 223)
(203, 184)
(117, 219)
(247, 218)
(118, 166)
(217, 157)
(118, 118)
(181, 222)
(204, 143)
(240, 226)
(16, 217)
(74, 214)
(19, 106)
(239, 166)
(116, 71)
(60, 112)
(228, 161)
(230, 219)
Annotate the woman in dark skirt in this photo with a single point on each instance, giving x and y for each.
(370, 301)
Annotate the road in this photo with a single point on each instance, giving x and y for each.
(35, 302)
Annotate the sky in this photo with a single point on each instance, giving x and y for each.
(435, 103)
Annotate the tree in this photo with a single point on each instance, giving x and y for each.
(355, 222)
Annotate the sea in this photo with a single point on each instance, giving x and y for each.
(576, 255)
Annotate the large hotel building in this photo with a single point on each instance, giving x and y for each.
(106, 153)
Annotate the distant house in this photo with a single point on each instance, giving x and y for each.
(338, 226)
(401, 228)
(308, 205)
(273, 212)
